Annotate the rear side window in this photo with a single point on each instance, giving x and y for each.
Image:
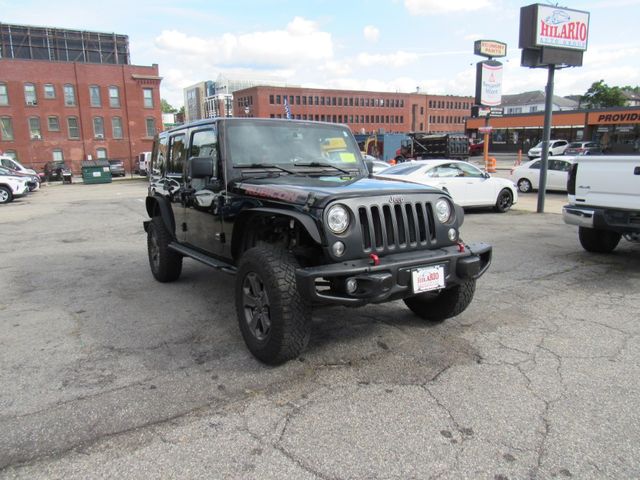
(159, 156)
(177, 155)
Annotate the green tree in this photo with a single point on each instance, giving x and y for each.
(167, 107)
(602, 95)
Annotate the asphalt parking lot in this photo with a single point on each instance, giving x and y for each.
(105, 373)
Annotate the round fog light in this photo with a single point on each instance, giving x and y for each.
(352, 285)
(453, 234)
(338, 249)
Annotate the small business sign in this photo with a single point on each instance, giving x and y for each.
(489, 83)
(496, 111)
(490, 48)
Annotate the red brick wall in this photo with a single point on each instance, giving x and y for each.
(35, 153)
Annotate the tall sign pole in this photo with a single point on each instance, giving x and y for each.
(488, 86)
(551, 37)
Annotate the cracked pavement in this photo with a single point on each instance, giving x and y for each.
(105, 373)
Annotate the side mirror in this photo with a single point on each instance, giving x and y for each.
(369, 164)
(486, 175)
(201, 167)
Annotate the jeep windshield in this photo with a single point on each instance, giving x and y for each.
(306, 148)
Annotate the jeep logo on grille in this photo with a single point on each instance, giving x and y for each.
(396, 199)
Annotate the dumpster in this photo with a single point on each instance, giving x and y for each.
(96, 171)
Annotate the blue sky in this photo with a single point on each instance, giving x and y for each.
(385, 45)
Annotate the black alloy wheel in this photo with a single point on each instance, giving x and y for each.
(256, 307)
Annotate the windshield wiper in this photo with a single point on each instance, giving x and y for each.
(323, 164)
(266, 165)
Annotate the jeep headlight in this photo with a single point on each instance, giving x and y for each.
(443, 210)
(338, 219)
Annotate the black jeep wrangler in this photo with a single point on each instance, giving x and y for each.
(290, 209)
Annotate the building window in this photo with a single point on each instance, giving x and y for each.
(11, 154)
(69, 95)
(74, 129)
(271, 99)
(53, 124)
(94, 96)
(151, 127)
(534, 108)
(6, 129)
(4, 94)
(114, 97)
(49, 90)
(147, 94)
(278, 100)
(297, 99)
(30, 94)
(98, 127)
(101, 153)
(57, 156)
(116, 126)
(34, 128)
(304, 100)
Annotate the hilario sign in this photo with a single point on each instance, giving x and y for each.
(488, 83)
(561, 28)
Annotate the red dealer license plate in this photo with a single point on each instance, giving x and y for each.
(428, 278)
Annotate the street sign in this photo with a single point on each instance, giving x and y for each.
(486, 129)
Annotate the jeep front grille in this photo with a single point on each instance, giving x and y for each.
(393, 227)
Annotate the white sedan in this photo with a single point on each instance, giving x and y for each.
(527, 175)
(468, 185)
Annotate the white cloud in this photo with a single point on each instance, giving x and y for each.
(434, 7)
(398, 59)
(300, 42)
(371, 33)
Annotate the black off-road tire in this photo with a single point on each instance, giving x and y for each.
(166, 265)
(504, 201)
(281, 319)
(598, 241)
(436, 307)
(5, 195)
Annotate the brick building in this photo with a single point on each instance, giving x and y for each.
(362, 111)
(52, 108)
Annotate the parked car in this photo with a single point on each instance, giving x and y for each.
(378, 165)
(117, 168)
(527, 175)
(55, 170)
(12, 186)
(583, 148)
(467, 184)
(12, 164)
(476, 148)
(33, 180)
(556, 147)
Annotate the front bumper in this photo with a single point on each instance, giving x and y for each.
(621, 221)
(391, 279)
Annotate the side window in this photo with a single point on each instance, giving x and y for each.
(177, 154)
(535, 165)
(159, 156)
(470, 170)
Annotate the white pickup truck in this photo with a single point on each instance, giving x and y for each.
(604, 200)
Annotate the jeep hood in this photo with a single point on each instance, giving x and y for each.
(318, 191)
